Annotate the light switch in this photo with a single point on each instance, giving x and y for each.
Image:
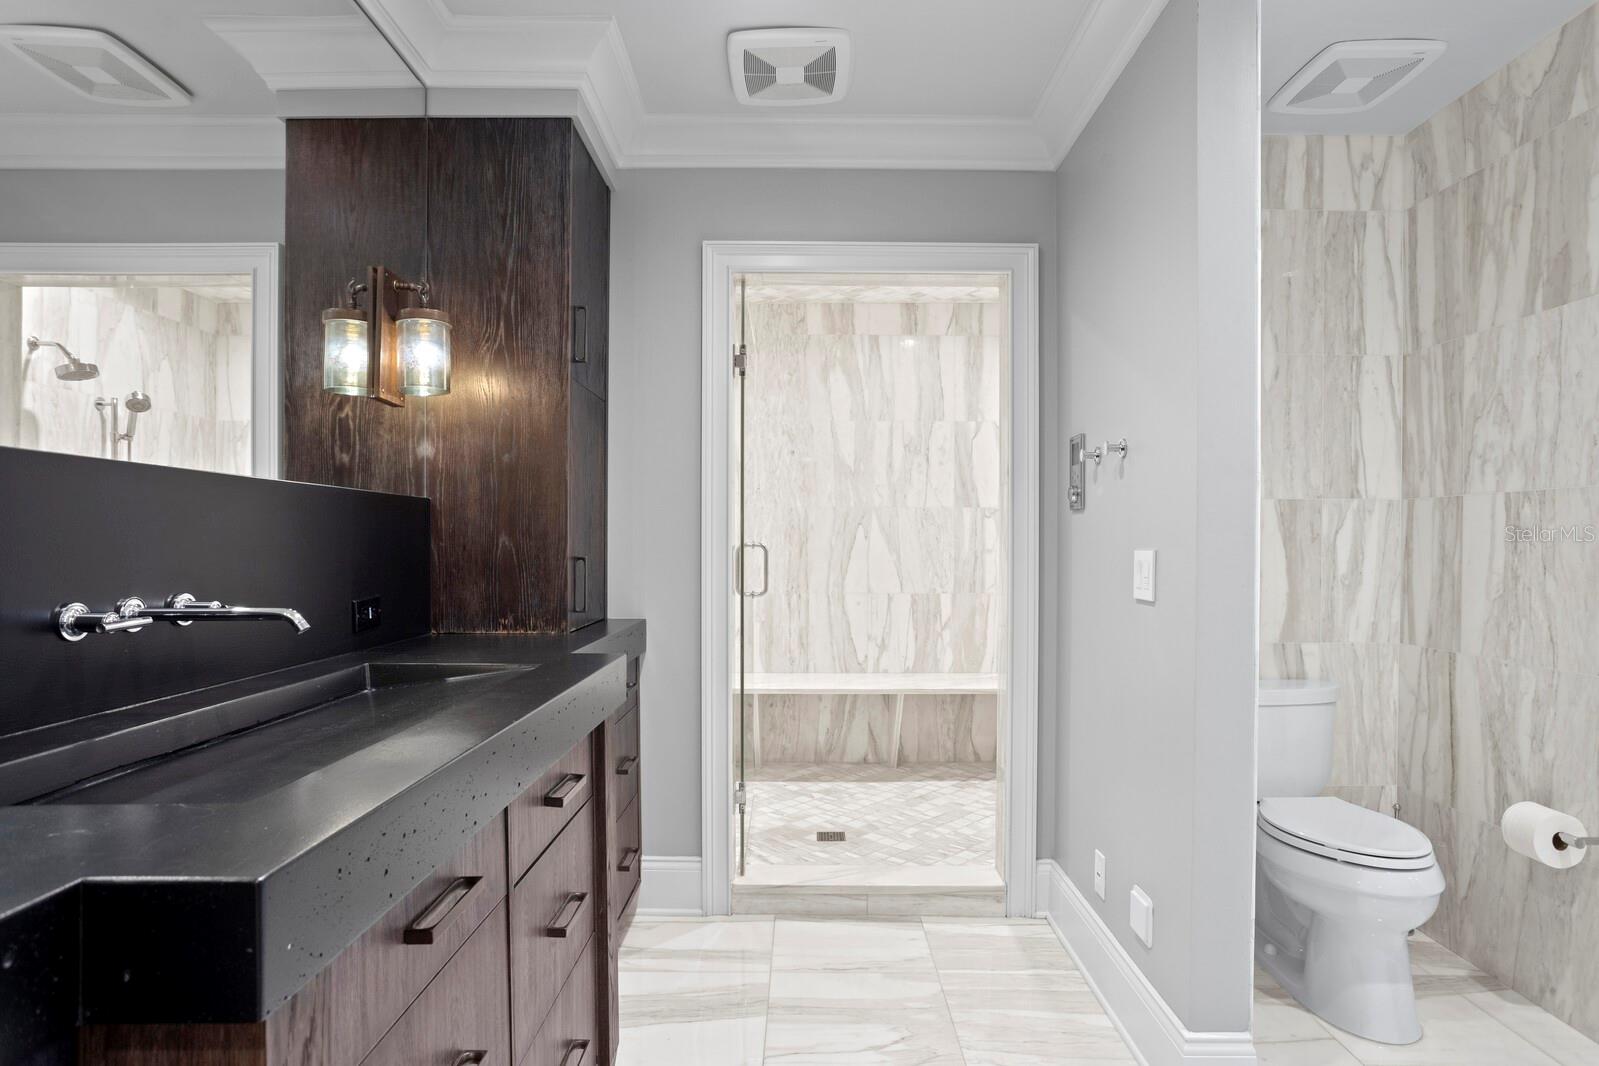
(1141, 916)
(1144, 575)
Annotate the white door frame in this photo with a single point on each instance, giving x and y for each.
(724, 259)
(260, 261)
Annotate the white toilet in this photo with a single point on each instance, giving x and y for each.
(1338, 888)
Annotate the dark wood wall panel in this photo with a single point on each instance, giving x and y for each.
(492, 454)
(355, 198)
(499, 267)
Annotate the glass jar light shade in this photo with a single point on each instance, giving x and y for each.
(346, 359)
(424, 351)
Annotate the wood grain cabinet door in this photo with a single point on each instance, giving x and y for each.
(552, 918)
(585, 514)
(539, 814)
(463, 1017)
(591, 264)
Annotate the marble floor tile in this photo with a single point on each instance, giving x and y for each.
(1027, 1018)
(692, 1018)
(839, 1016)
(723, 945)
(874, 947)
(1456, 1032)
(984, 946)
(1305, 1053)
(1538, 1027)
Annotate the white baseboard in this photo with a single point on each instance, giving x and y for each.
(1144, 1019)
(671, 885)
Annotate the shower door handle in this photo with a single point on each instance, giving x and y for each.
(766, 570)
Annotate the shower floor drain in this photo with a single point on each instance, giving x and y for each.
(830, 836)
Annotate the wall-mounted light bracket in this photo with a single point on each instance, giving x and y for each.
(384, 338)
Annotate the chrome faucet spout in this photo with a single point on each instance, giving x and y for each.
(183, 609)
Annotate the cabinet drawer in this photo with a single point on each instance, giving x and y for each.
(570, 1035)
(622, 754)
(542, 811)
(343, 1012)
(627, 860)
(463, 1016)
(552, 915)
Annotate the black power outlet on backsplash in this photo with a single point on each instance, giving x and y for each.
(368, 613)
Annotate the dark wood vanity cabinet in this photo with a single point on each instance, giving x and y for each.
(507, 955)
(512, 229)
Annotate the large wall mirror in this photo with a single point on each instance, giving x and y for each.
(161, 354)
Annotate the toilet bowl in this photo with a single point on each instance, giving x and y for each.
(1338, 887)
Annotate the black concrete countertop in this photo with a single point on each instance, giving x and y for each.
(224, 889)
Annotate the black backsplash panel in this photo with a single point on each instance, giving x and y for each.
(95, 530)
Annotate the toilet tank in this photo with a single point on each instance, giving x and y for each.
(1294, 726)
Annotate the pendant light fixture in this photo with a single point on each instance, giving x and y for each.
(346, 352)
(424, 331)
(424, 338)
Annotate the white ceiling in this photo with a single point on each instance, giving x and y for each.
(1007, 84)
(1482, 36)
(938, 83)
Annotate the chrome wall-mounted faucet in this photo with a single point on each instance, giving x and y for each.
(74, 621)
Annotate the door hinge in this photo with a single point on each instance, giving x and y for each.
(739, 796)
(740, 361)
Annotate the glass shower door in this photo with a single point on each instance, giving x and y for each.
(751, 577)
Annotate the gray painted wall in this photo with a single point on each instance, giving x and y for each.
(141, 205)
(660, 219)
(1154, 763)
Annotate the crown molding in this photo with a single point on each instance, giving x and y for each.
(141, 142)
(575, 67)
(1100, 49)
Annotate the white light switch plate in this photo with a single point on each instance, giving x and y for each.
(1099, 873)
(1144, 575)
(1141, 916)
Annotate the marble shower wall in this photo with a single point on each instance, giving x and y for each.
(189, 351)
(1460, 604)
(876, 475)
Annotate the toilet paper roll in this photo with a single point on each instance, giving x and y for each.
(1530, 829)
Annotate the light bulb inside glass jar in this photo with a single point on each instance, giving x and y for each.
(424, 338)
(346, 358)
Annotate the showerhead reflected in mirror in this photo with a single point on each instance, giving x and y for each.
(153, 367)
(74, 369)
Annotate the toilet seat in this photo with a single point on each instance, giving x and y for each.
(1339, 830)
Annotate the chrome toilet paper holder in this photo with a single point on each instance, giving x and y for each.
(1571, 840)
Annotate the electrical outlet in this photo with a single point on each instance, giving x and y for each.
(1099, 873)
(367, 613)
(1144, 575)
(1141, 916)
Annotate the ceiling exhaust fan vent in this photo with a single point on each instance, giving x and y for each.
(1354, 76)
(788, 67)
(95, 64)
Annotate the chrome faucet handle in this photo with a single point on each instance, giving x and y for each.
(74, 621)
(184, 599)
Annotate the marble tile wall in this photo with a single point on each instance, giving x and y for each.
(875, 474)
(189, 352)
(1461, 610)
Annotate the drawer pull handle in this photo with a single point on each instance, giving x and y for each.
(435, 918)
(624, 765)
(631, 685)
(580, 1048)
(629, 860)
(470, 1058)
(562, 794)
(564, 918)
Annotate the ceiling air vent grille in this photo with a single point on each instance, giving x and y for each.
(783, 68)
(1353, 76)
(95, 64)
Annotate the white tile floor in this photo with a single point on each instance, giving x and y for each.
(1468, 1019)
(991, 992)
(929, 992)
